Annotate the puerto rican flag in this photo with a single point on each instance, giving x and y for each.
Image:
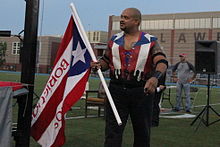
(65, 87)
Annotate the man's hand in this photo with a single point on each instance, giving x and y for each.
(190, 80)
(151, 85)
(162, 87)
(95, 65)
(175, 79)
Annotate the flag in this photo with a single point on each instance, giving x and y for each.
(65, 86)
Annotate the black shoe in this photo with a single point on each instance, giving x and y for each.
(154, 124)
(188, 111)
(176, 110)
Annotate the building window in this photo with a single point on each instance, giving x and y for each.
(216, 22)
(182, 24)
(151, 24)
(89, 37)
(208, 22)
(202, 23)
(156, 24)
(97, 36)
(116, 26)
(193, 23)
(196, 23)
(186, 23)
(15, 48)
(94, 36)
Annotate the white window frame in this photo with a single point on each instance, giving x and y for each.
(116, 26)
(15, 49)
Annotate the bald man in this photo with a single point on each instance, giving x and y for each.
(136, 63)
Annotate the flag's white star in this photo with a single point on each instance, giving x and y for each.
(78, 54)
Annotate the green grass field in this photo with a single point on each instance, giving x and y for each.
(89, 132)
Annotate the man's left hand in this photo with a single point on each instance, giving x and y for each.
(190, 80)
(151, 85)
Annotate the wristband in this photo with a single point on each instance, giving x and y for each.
(162, 61)
(157, 74)
(158, 53)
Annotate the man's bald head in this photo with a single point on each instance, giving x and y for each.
(136, 14)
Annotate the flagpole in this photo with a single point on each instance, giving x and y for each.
(86, 41)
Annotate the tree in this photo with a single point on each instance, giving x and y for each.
(3, 48)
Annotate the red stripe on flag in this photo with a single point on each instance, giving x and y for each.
(70, 100)
(60, 139)
(49, 111)
(76, 93)
(65, 41)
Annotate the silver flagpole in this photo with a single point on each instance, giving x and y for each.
(86, 41)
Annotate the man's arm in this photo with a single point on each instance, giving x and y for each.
(194, 71)
(159, 59)
(174, 73)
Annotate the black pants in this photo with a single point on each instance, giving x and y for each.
(133, 102)
(156, 109)
(156, 101)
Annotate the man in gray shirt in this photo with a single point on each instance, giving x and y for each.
(183, 70)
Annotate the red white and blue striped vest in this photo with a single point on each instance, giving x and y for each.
(133, 64)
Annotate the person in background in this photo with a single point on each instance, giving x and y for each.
(183, 77)
(136, 63)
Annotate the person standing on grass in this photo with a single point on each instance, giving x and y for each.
(136, 62)
(183, 79)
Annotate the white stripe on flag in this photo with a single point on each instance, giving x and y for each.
(71, 83)
(49, 90)
(50, 134)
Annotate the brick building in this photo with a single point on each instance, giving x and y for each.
(177, 32)
(46, 50)
(98, 40)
